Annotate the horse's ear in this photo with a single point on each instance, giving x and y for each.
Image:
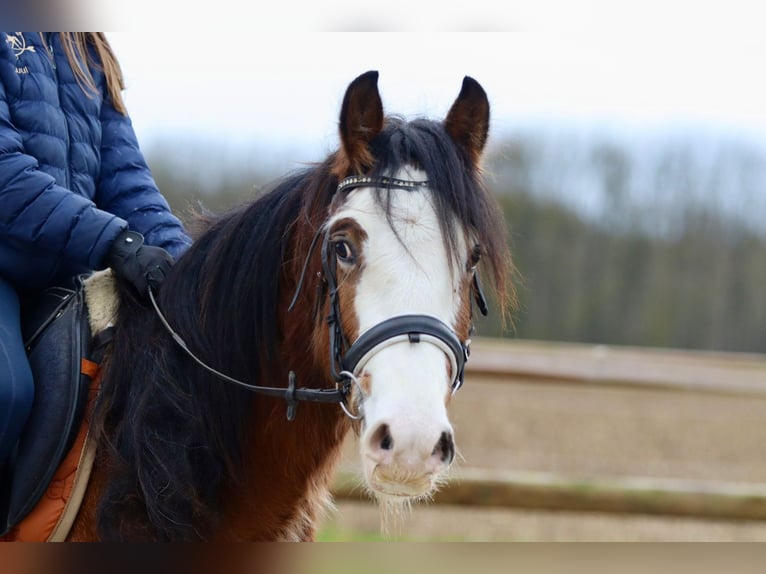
(361, 119)
(468, 119)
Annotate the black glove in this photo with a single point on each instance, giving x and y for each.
(141, 265)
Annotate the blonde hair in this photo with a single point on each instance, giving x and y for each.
(81, 59)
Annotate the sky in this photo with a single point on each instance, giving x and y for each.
(662, 64)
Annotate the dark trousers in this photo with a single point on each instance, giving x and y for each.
(16, 384)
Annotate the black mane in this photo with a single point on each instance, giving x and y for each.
(177, 433)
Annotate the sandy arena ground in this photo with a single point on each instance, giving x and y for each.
(586, 430)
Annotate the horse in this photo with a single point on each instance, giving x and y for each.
(339, 300)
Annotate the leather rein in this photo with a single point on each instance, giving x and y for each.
(348, 360)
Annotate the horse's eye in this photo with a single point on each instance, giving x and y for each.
(344, 252)
(475, 255)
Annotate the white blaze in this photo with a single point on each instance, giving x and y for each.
(408, 274)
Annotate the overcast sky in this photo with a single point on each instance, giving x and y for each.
(684, 64)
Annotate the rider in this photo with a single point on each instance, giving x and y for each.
(76, 194)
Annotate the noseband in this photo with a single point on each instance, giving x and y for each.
(347, 361)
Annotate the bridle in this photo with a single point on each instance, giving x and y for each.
(347, 360)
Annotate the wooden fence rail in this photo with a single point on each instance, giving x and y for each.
(571, 363)
(628, 495)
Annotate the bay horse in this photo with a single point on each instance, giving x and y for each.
(345, 293)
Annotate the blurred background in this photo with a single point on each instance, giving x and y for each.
(632, 173)
(630, 163)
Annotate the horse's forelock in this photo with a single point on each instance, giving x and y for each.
(459, 192)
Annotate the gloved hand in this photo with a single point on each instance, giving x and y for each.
(142, 265)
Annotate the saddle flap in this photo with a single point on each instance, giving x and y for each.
(56, 335)
(40, 312)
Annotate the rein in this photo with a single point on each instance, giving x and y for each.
(291, 394)
(347, 360)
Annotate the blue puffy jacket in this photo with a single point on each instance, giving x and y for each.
(72, 176)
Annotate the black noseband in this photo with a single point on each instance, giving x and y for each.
(412, 328)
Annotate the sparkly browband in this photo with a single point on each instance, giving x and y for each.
(388, 182)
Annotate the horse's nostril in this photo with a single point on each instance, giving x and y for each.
(445, 448)
(382, 438)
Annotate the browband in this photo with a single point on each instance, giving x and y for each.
(355, 181)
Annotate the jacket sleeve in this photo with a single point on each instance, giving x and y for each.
(38, 213)
(127, 188)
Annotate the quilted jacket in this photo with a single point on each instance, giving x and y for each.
(72, 176)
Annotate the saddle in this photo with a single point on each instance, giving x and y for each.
(57, 337)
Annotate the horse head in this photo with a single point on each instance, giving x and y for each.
(407, 226)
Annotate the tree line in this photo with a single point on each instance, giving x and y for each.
(658, 243)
